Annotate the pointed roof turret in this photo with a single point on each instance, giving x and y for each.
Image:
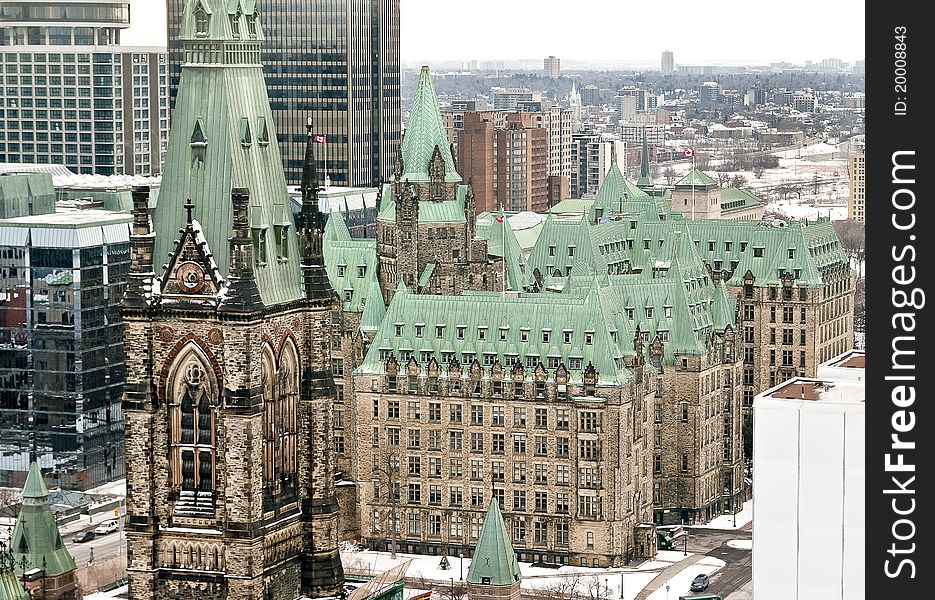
(494, 561)
(645, 180)
(697, 179)
(425, 133)
(222, 138)
(36, 541)
(374, 309)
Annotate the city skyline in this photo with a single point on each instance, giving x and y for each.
(423, 40)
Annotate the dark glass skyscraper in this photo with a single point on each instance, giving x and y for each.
(336, 61)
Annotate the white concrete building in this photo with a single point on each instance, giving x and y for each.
(808, 485)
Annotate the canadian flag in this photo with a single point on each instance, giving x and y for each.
(320, 139)
(500, 218)
(688, 152)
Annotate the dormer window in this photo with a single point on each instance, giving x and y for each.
(361, 271)
(235, 24)
(199, 143)
(263, 128)
(482, 333)
(201, 19)
(281, 226)
(246, 136)
(571, 251)
(258, 229)
(588, 338)
(342, 269)
(251, 25)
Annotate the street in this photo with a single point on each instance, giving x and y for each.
(739, 568)
(104, 546)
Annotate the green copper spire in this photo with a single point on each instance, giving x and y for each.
(645, 180)
(615, 191)
(424, 134)
(697, 179)
(221, 139)
(36, 537)
(494, 561)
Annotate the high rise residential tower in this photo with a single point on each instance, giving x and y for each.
(668, 63)
(73, 95)
(336, 61)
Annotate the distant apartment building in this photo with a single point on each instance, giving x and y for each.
(590, 95)
(591, 154)
(808, 481)
(74, 96)
(560, 124)
(522, 164)
(710, 93)
(61, 343)
(552, 65)
(856, 199)
(475, 156)
(805, 101)
(624, 107)
(857, 100)
(509, 98)
(632, 134)
(755, 97)
(668, 63)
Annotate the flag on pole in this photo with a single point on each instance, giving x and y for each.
(689, 152)
(320, 139)
(500, 218)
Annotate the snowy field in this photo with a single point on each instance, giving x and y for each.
(617, 583)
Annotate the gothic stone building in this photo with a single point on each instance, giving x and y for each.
(229, 389)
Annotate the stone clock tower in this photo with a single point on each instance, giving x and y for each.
(229, 390)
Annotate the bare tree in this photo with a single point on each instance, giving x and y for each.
(387, 475)
(853, 240)
(670, 174)
(456, 591)
(564, 588)
(738, 181)
(597, 589)
(9, 502)
(723, 179)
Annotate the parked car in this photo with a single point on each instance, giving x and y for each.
(83, 536)
(700, 583)
(107, 527)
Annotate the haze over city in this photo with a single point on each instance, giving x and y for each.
(607, 32)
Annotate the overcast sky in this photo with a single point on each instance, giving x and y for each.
(696, 31)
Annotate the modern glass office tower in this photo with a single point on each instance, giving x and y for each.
(62, 276)
(73, 96)
(336, 61)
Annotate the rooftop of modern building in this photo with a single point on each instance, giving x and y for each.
(811, 390)
(69, 218)
(848, 366)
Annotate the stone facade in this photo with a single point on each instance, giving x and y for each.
(569, 462)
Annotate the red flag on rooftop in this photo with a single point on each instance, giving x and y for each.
(689, 152)
(320, 139)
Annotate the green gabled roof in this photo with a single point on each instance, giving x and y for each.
(487, 227)
(815, 248)
(374, 309)
(426, 274)
(696, 178)
(220, 25)
(351, 254)
(736, 198)
(35, 485)
(335, 230)
(494, 561)
(35, 536)
(560, 237)
(20, 191)
(615, 192)
(211, 103)
(478, 310)
(10, 586)
(424, 133)
(430, 211)
(724, 307)
(577, 206)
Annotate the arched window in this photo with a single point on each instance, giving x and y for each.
(192, 407)
(280, 391)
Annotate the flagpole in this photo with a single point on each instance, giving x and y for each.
(503, 237)
(325, 153)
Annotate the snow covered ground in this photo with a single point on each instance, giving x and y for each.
(740, 544)
(617, 583)
(680, 583)
(727, 521)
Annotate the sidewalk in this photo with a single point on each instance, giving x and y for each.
(667, 574)
(84, 522)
